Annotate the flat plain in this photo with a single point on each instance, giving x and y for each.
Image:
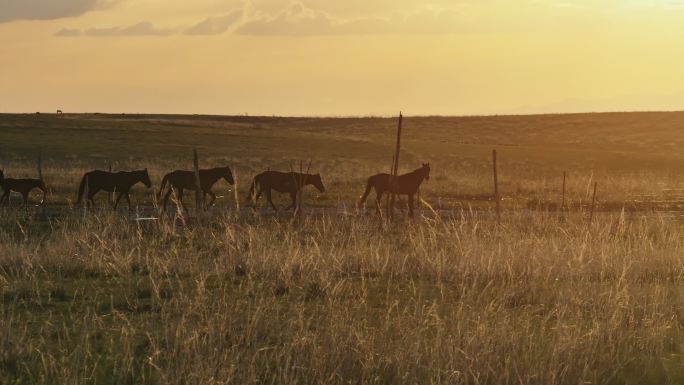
(544, 297)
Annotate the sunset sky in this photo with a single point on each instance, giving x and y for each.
(334, 57)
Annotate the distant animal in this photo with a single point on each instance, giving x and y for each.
(407, 184)
(22, 186)
(284, 182)
(119, 182)
(180, 180)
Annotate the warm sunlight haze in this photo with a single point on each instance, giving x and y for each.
(337, 192)
(328, 57)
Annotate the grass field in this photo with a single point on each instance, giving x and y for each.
(631, 155)
(544, 297)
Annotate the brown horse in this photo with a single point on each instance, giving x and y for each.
(284, 182)
(185, 180)
(407, 184)
(22, 186)
(120, 182)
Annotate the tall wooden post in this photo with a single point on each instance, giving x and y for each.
(496, 188)
(563, 194)
(235, 192)
(593, 204)
(198, 188)
(111, 194)
(85, 197)
(40, 175)
(394, 171)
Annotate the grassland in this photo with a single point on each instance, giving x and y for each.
(542, 298)
(631, 155)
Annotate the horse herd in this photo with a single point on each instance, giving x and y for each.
(180, 180)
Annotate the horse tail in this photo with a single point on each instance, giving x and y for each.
(163, 184)
(82, 188)
(369, 186)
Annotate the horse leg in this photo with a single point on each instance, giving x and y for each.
(166, 198)
(5, 197)
(258, 195)
(128, 200)
(180, 199)
(118, 198)
(25, 196)
(269, 198)
(91, 195)
(213, 197)
(378, 200)
(294, 204)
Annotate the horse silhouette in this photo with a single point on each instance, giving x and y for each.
(284, 182)
(185, 180)
(407, 184)
(22, 186)
(120, 182)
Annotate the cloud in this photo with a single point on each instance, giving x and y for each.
(215, 25)
(144, 28)
(68, 32)
(299, 20)
(11, 10)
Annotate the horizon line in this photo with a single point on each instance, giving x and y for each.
(345, 116)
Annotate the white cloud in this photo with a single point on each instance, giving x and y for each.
(299, 20)
(144, 28)
(215, 25)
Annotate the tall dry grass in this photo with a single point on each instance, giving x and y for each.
(341, 300)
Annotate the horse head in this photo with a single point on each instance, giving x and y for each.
(227, 175)
(317, 182)
(426, 170)
(145, 178)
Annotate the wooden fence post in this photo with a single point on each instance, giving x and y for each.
(85, 197)
(496, 188)
(563, 194)
(593, 204)
(198, 187)
(111, 194)
(235, 192)
(394, 171)
(40, 176)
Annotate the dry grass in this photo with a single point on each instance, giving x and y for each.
(543, 298)
(537, 300)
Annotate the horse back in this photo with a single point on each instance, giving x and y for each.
(109, 181)
(279, 181)
(21, 185)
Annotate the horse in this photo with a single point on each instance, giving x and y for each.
(406, 184)
(284, 182)
(181, 180)
(22, 186)
(120, 182)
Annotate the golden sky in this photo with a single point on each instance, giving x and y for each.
(333, 57)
